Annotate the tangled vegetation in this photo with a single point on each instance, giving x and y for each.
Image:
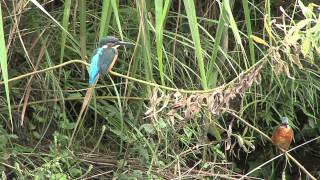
(198, 96)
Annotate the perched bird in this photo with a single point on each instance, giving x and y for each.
(104, 57)
(102, 61)
(282, 135)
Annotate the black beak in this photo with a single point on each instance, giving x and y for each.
(122, 43)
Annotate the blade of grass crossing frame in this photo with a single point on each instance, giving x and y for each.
(116, 15)
(212, 71)
(246, 11)
(73, 41)
(105, 19)
(4, 66)
(65, 21)
(267, 19)
(233, 24)
(193, 24)
(83, 29)
(54, 20)
(145, 40)
(120, 112)
(235, 30)
(160, 13)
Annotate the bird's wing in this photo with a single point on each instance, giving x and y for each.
(94, 66)
(107, 58)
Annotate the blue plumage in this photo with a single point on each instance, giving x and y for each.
(94, 69)
(101, 62)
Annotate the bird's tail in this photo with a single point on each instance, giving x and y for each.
(84, 107)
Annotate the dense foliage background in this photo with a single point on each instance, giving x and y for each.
(197, 96)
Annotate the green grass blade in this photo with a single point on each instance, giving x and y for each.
(48, 14)
(235, 30)
(65, 21)
(267, 7)
(232, 22)
(105, 19)
(36, 3)
(221, 31)
(116, 15)
(246, 11)
(83, 29)
(193, 24)
(160, 13)
(4, 66)
(145, 40)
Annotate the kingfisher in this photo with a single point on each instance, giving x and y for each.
(105, 57)
(103, 60)
(283, 135)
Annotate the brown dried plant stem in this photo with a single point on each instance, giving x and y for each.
(76, 98)
(263, 60)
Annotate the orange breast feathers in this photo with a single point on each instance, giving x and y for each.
(282, 137)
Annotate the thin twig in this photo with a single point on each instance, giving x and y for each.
(138, 80)
(77, 98)
(128, 77)
(44, 70)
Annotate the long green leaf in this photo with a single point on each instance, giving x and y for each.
(246, 11)
(65, 21)
(193, 24)
(105, 19)
(212, 71)
(145, 39)
(4, 66)
(235, 30)
(161, 13)
(73, 41)
(158, 13)
(83, 33)
(116, 15)
(46, 12)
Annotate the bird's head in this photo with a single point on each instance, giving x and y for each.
(112, 42)
(284, 120)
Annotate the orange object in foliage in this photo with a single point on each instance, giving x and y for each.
(283, 135)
